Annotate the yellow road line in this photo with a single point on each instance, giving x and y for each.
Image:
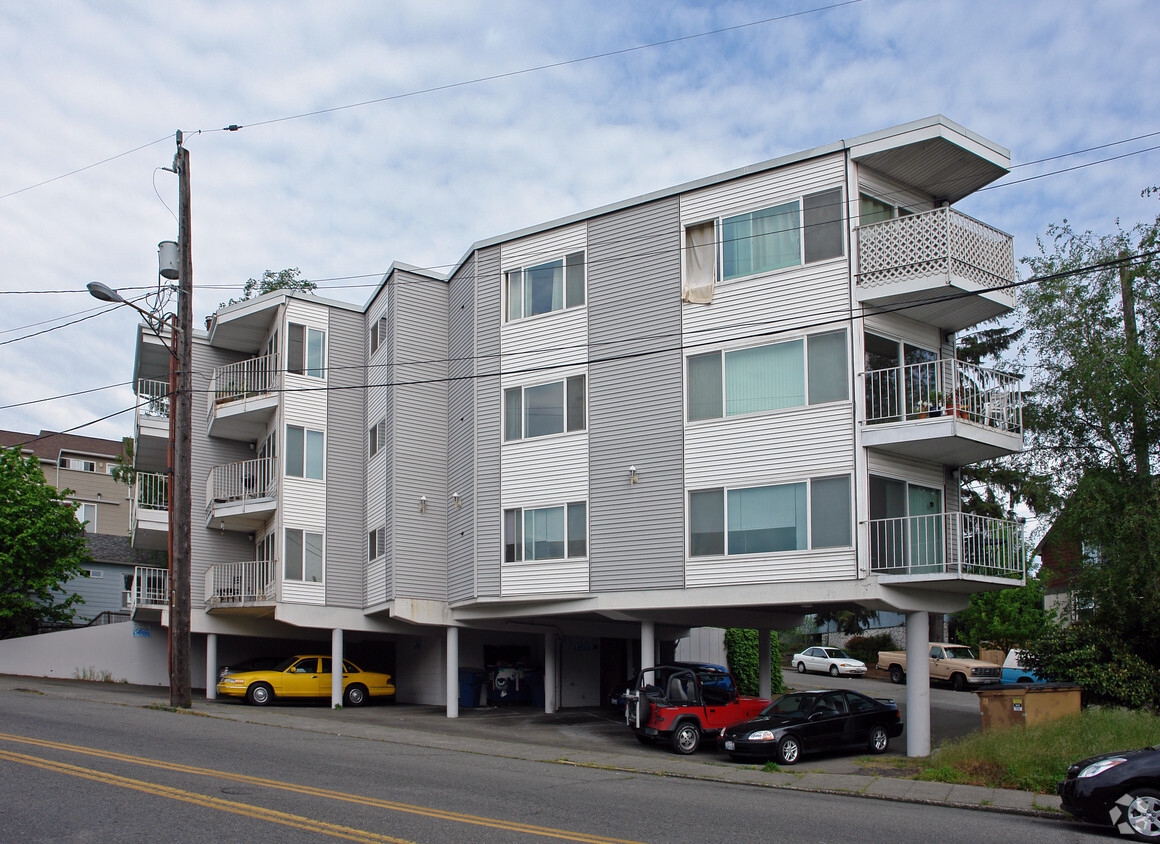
(440, 814)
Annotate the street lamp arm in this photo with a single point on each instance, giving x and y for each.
(101, 291)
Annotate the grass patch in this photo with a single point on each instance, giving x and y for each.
(771, 768)
(1035, 758)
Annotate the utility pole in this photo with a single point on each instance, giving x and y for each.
(181, 401)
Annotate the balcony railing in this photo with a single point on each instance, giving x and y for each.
(249, 581)
(242, 481)
(947, 544)
(155, 395)
(945, 388)
(939, 242)
(244, 379)
(152, 491)
(150, 588)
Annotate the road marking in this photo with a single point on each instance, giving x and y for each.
(266, 814)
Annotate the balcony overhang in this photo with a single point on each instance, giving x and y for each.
(948, 439)
(934, 155)
(245, 514)
(151, 359)
(950, 303)
(243, 419)
(151, 453)
(151, 529)
(244, 327)
(959, 584)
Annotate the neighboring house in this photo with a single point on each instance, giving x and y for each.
(1060, 557)
(84, 465)
(725, 403)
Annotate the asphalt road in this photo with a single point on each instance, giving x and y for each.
(79, 771)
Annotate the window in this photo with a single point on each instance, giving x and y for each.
(378, 437)
(551, 286)
(303, 556)
(765, 519)
(874, 210)
(304, 353)
(377, 542)
(304, 453)
(378, 333)
(87, 513)
(769, 377)
(547, 533)
(78, 465)
(544, 409)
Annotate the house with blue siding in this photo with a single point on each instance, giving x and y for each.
(726, 403)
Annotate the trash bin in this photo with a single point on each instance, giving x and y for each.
(470, 684)
(1019, 704)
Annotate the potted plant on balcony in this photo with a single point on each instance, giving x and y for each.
(935, 402)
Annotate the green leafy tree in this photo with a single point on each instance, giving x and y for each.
(848, 621)
(287, 279)
(1008, 618)
(742, 650)
(42, 544)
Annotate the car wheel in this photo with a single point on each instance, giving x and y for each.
(801, 667)
(788, 750)
(355, 695)
(879, 739)
(686, 738)
(259, 694)
(896, 675)
(1137, 814)
(959, 682)
(834, 671)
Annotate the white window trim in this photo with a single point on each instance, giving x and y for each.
(505, 298)
(520, 560)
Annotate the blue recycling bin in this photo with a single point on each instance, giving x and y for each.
(470, 683)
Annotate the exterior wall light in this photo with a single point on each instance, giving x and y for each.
(422, 504)
(632, 475)
(456, 500)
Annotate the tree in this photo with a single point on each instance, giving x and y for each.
(1009, 618)
(287, 279)
(742, 650)
(42, 544)
(849, 621)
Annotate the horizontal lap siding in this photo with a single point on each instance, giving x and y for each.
(460, 436)
(378, 375)
(761, 190)
(635, 399)
(345, 469)
(488, 403)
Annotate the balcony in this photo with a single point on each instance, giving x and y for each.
(939, 267)
(951, 548)
(152, 424)
(244, 397)
(241, 496)
(150, 511)
(148, 597)
(250, 586)
(945, 411)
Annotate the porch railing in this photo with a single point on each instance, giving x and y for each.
(945, 388)
(150, 587)
(152, 491)
(245, 378)
(248, 479)
(252, 580)
(947, 543)
(155, 395)
(934, 243)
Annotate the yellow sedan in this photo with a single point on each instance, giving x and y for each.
(306, 677)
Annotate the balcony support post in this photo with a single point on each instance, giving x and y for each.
(211, 666)
(917, 684)
(452, 672)
(336, 668)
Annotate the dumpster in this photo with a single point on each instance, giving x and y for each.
(1019, 704)
(470, 684)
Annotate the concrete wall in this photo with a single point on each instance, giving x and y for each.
(123, 653)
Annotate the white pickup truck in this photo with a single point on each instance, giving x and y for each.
(952, 663)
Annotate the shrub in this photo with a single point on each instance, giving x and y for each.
(866, 648)
(1097, 660)
(741, 652)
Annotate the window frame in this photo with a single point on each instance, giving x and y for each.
(378, 333)
(377, 438)
(90, 525)
(376, 543)
(573, 408)
(301, 340)
(514, 530)
(573, 285)
(304, 559)
(307, 451)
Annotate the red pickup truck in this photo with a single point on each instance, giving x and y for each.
(684, 703)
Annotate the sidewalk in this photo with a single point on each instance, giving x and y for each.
(585, 737)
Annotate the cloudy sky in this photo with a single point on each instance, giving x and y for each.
(405, 131)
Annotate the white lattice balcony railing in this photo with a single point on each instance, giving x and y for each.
(249, 581)
(942, 388)
(248, 479)
(947, 544)
(152, 491)
(244, 379)
(942, 242)
(150, 587)
(155, 398)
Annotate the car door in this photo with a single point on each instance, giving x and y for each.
(859, 720)
(301, 678)
(827, 721)
(813, 659)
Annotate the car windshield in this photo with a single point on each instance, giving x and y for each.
(837, 653)
(789, 704)
(959, 653)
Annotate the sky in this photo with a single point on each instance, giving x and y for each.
(374, 133)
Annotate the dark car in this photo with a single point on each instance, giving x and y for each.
(1117, 789)
(806, 722)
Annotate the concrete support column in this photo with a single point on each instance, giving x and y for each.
(550, 671)
(764, 667)
(336, 667)
(917, 684)
(211, 670)
(648, 644)
(452, 672)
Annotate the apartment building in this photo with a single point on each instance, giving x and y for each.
(725, 403)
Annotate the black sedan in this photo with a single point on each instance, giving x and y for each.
(804, 722)
(1120, 789)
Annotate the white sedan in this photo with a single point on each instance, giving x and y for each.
(832, 661)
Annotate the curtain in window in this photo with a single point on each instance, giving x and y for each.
(544, 534)
(700, 264)
(763, 519)
(761, 241)
(765, 378)
(544, 288)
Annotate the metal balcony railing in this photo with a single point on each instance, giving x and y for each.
(252, 580)
(942, 242)
(257, 478)
(155, 395)
(150, 588)
(244, 379)
(949, 544)
(945, 388)
(152, 491)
